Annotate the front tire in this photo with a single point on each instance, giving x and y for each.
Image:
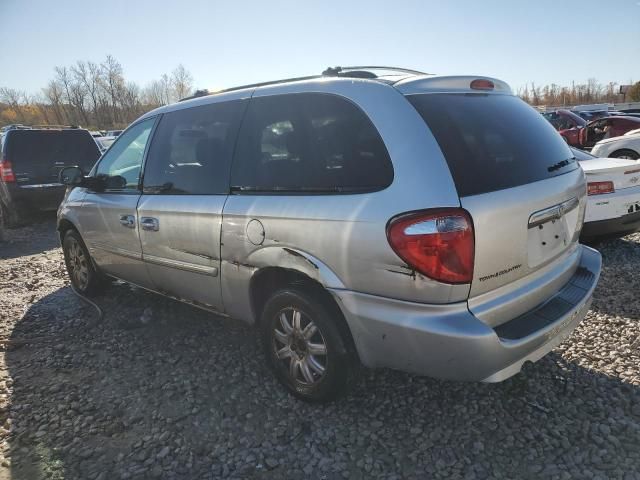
(626, 153)
(304, 346)
(83, 275)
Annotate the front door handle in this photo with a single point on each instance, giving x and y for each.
(150, 224)
(128, 221)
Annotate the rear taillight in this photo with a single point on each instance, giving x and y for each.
(598, 188)
(6, 171)
(437, 243)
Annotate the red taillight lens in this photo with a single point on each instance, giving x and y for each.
(6, 171)
(598, 188)
(438, 244)
(481, 84)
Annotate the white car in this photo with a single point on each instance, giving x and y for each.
(613, 196)
(624, 146)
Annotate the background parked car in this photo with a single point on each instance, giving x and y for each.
(624, 146)
(590, 115)
(30, 159)
(104, 142)
(613, 196)
(605, 128)
(568, 125)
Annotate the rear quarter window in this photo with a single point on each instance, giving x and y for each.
(309, 142)
(493, 142)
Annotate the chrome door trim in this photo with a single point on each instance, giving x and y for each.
(41, 185)
(552, 213)
(186, 266)
(201, 306)
(116, 251)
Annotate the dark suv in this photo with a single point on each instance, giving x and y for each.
(30, 159)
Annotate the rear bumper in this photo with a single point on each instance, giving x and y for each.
(448, 341)
(623, 225)
(32, 198)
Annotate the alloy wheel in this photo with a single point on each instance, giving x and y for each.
(78, 264)
(300, 346)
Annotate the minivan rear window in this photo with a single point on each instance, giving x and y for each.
(31, 150)
(493, 142)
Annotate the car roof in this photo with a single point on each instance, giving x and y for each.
(405, 80)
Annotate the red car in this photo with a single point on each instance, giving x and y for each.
(607, 127)
(568, 125)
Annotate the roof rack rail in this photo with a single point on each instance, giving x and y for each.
(14, 126)
(56, 127)
(346, 71)
(356, 72)
(272, 82)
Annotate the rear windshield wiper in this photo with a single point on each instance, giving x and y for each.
(562, 164)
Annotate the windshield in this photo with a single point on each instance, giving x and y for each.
(492, 142)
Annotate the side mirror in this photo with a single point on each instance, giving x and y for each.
(71, 176)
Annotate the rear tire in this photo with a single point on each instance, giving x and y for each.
(304, 346)
(8, 219)
(626, 153)
(82, 273)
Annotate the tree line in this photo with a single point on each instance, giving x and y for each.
(578, 94)
(93, 95)
(97, 96)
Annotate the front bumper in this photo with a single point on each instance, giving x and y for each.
(448, 341)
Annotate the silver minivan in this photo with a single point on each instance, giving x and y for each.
(384, 218)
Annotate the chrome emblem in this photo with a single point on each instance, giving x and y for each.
(634, 179)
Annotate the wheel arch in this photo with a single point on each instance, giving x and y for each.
(284, 265)
(64, 225)
(625, 149)
(268, 280)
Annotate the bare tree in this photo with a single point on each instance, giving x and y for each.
(131, 101)
(63, 78)
(152, 94)
(14, 98)
(182, 82)
(113, 83)
(53, 93)
(89, 75)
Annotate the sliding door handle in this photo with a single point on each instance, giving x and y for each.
(150, 224)
(128, 221)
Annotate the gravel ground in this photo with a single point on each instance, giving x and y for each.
(158, 389)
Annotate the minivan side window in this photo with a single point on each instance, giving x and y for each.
(191, 150)
(309, 142)
(124, 158)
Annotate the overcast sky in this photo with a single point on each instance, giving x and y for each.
(233, 42)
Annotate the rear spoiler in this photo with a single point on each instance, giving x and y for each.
(452, 84)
